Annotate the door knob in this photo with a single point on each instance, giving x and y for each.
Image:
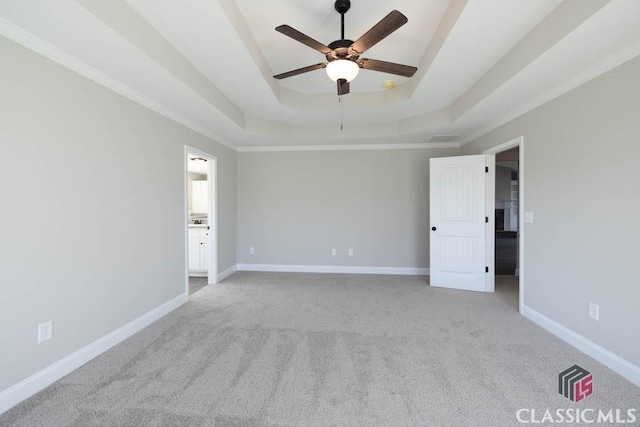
(433, 229)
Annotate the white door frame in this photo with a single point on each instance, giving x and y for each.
(516, 142)
(212, 216)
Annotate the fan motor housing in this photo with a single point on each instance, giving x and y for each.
(340, 50)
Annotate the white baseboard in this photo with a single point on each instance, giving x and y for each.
(40, 380)
(601, 354)
(228, 272)
(402, 271)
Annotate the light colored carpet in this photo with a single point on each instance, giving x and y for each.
(196, 284)
(325, 349)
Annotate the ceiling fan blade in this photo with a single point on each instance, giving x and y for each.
(387, 67)
(300, 71)
(303, 38)
(382, 29)
(343, 87)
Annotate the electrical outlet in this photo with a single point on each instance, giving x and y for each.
(334, 252)
(594, 311)
(45, 331)
(252, 251)
(350, 251)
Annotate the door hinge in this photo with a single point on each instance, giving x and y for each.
(486, 169)
(486, 269)
(486, 219)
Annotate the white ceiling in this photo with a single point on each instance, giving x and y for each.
(208, 64)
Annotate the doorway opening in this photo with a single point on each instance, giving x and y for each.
(507, 233)
(200, 220)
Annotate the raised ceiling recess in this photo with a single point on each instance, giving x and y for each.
(209, 64)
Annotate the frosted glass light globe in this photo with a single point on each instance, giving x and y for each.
(342, 69)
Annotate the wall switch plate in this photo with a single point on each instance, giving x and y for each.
(45, 331)
(350, 251)
(528, 217)
(333, 252)
(594, 311)
(252, 251)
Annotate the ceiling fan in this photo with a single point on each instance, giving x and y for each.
(343, 55)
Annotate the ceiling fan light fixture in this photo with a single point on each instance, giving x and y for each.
(342, 69)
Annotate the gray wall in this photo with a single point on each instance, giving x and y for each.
(92, 217)
(581, 180)
(294, 207)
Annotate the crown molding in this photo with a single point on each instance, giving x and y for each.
(590, 73)
(38, 45)
(351, 147)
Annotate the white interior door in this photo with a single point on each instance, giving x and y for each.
(459, 190)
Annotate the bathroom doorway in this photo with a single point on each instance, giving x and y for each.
(200, 219)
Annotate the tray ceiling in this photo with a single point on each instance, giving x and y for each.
(208, 64)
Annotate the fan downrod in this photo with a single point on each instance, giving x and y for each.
(342, 6)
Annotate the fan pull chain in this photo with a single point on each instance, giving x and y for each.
(341, 112)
